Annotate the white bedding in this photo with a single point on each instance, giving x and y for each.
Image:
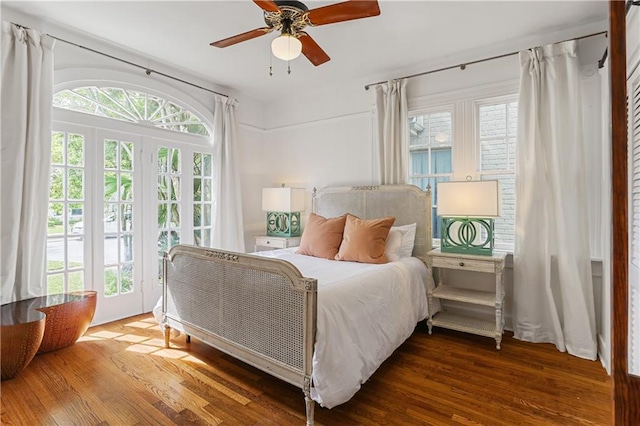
(364, 313)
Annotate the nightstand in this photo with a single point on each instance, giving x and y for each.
(488, 264)
(272, 243)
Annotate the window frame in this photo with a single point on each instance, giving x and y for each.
(465, 150)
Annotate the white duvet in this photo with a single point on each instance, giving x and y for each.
(364, 313)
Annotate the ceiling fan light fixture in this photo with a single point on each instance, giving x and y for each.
(286, 47)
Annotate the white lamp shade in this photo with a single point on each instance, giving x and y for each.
(284, 200)
(479, 198)
(286, 47)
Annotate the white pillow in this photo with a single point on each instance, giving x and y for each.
(408, 237)
(392, 247)
(400, 242)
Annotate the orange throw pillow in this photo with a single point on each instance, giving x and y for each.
(364, 240)
(322, 236)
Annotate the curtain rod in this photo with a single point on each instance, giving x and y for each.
(464, 65)
(147, 70)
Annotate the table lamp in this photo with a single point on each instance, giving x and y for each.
(283, 207)
(467, 209)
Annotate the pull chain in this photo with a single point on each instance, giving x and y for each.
(270, 63)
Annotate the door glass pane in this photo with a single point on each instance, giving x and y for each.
(175, 161)
(76, 281)
(163, 188)
(163, 160)
(57, 183)
(126, 275)
(175, 188)
(75, 151)
(126, 156)
(55, 222)
(111, 281)
(75, 184)
(111, 186)
(126, 188)
(126, 248)
(57, 148)
(55, 284)
(56, 254)
(111, 250)
(110, 154)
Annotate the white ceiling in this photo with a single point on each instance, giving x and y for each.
(407, 36)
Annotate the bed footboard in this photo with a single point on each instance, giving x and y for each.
(259, 310)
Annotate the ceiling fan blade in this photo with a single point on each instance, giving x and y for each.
(242, 37)
(345, 11)
(267, 5)
(312, 50)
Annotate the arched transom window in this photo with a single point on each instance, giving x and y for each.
(131, 106)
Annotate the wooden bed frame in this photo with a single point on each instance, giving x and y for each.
(262, 310)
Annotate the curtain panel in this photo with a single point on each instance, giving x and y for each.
(553, 289)
(392, 130)
(228, 231)
(27, 95)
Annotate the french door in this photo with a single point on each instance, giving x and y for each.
(117, 225)
(119, 200)
(180, 193)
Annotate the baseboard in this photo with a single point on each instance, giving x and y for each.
(604, 354)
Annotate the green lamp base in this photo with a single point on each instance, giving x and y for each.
(281, 224)
(463, 235)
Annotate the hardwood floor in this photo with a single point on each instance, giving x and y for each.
(120, 374)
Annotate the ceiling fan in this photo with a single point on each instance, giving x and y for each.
(290, 17)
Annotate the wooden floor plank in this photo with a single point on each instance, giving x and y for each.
(120, 374)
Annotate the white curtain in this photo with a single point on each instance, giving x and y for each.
(228, 232)
(553, 290)
(392, 132)
(27, 92)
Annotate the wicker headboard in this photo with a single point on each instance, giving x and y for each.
(407, 203)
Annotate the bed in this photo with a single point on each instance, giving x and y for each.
(322, 325)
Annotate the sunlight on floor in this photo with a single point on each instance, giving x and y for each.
(144, 349)
(132, 338)
(143, 344)
(106, 334)
(89, 339)
(140, 324)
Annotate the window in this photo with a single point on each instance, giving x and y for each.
(474, 136)
(132, 106)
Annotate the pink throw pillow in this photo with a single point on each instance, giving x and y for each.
(322, 236)
(364, 240)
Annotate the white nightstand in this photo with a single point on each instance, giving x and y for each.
(489, 264)
(272, 243)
